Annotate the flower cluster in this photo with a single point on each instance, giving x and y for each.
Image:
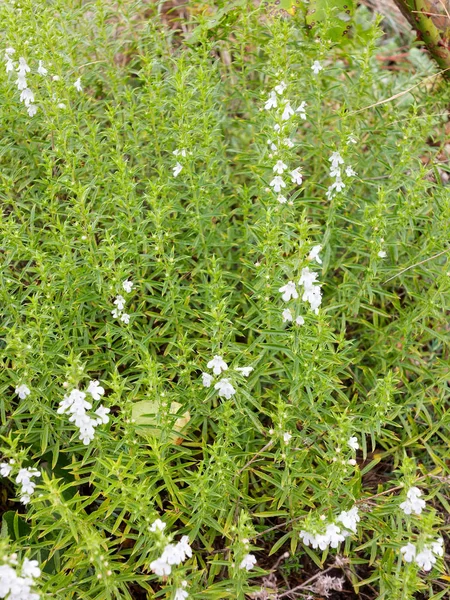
(278, 183)
(119, 301)
(24, 478)
(312, 292)
(173, 554)
(76, 405)
(26, 95)
(428, 555)
(338, 185)
(22, 68)
(178, 166)
(15, 586)
(413, 503)
(224, 386)
(333, 534)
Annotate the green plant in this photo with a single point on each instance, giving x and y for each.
(157, 206)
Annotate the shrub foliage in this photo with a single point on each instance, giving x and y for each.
(155, 157)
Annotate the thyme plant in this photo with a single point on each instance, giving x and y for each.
(224, 288)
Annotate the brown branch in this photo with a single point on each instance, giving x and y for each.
(431, 25)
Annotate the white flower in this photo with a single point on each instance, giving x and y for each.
(125, 318)
(76, 405)
(225, 388)
(157, 525)
(9, 51)
(27, 96)
(308, 538)
(352, 140)
(21, 82)
(301, 110)
(277, 183)
(287, 315)
(248, 562)
(314, 254)
(277, 127)
(334, 535)
(426, 559)
(287, 112)
(382, 254)
(127, 285)
(287, 437)
(9, 64)
(280, 167)
(184, 547)
(350, 172)
(30, 568)
(300, 320)
(95, 390)
(409, 552)
(8, 579)
(272, 146)
(313, 295)
(55, 78)
(316, 67)
(307, 278)
(5, 469)
(180, 594)
(17, 587)
(244, 370)
(336, 160)
(338, 185)
(413, 503)
(288, 143)
(61, 105)
(22, 391)
(289, 291)
(41, 69)
(281, 199)
(119, 302)
(438, 547)
(280, 87)
(24, 477)
(353, 443)
(181, 152)
(296, 176)
(115, 313)
(207, 379)
(173, 554)
(177, 169)
(102, 414)
(160, 567)
(217, 364)
(23, 66)
(32, 110)
(271, 102)
(335, 172)
(77, 85)
(349, 519)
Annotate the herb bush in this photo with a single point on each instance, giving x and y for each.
(224, 279)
